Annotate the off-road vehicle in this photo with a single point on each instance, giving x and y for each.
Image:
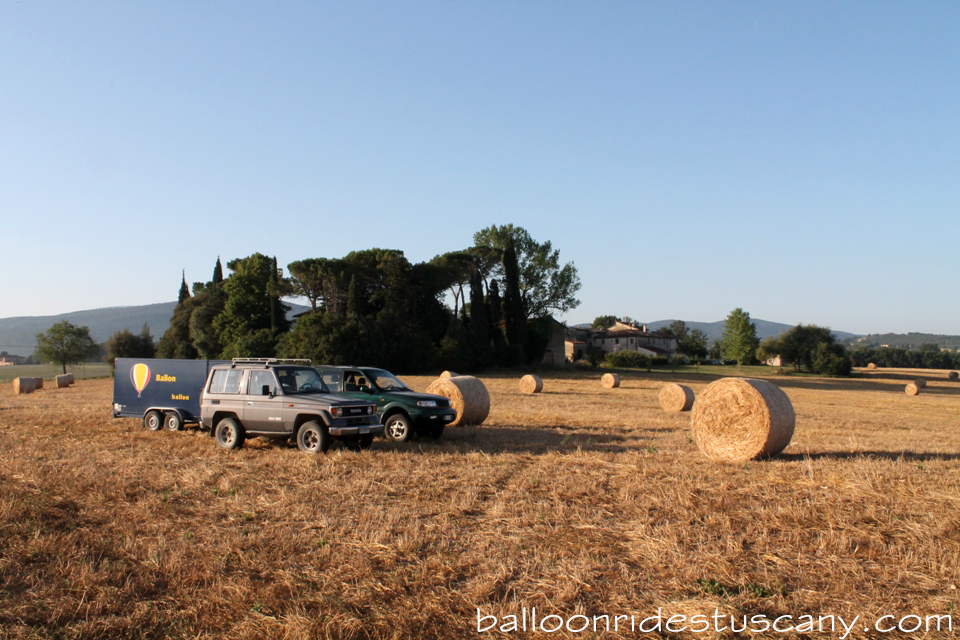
(280, 400)
(402, 410)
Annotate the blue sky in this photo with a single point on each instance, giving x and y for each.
(800, 160)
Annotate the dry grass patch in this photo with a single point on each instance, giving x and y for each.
(573, 500)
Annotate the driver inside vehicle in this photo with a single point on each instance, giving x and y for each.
(288, 383)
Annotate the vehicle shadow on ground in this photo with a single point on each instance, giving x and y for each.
(494, 440)
(908, 456)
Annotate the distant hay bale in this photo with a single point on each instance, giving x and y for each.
(62, 381)
(912, 389)
(676, 397)
(872, 365)
(70, 377)
(953, 375)
(740, 419)
(38, 383)
(531, 384)
(24, 385)
(467, 395)
(610, 380)
(449, 374)
(921, 383)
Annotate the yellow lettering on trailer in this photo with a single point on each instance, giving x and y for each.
(166, 378)
(179, 396)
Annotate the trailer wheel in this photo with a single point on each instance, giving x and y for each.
(312, 438)
(172, 421)
(229, 434)
(152, 421)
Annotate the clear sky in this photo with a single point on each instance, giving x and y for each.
(800, 160)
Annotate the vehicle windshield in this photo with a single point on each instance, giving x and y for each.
(300, 380)
(385, 380)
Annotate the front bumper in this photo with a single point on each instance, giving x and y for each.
(356, 430)
(435, 417)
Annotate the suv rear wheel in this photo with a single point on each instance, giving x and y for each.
(313, 438)
(229, 434)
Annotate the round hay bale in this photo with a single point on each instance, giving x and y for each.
(449, 374)
(23, 385)
(531, 384)
(467, 395)
(62, 381)
(872, 365)
(38, 383)
(676, 397)
(953, 375)
(921, 383)
(740, 419)
(70, 377)
(610, 380)
(912, 389)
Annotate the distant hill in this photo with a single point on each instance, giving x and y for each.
(906, 340)
(18, 335)
(765, 328)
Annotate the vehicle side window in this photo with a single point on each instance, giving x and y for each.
(259, 379)
(332, 380)
(226, 381)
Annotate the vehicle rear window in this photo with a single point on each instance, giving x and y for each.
(226, 381)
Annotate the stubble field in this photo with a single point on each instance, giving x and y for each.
(581, 502)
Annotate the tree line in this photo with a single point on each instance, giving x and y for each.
(375, 306)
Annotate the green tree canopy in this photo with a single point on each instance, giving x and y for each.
(126, 344)
(545, 285)
(64, 344)
(252, 314)
(603, 322)
(739, 341)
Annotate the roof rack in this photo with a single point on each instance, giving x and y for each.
(268, 361)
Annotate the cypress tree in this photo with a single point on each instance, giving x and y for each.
(515, 317)
(184, 290)
(218, 272)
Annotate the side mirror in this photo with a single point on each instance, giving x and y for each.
(265, 391)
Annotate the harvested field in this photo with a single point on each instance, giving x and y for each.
(575, 501)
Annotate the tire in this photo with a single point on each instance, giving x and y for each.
(397, 428)
(152, 421)
(172, 421)
(366, 440)
(229, 434)
(435, 431)
(313, 438)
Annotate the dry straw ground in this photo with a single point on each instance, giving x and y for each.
(576, 500)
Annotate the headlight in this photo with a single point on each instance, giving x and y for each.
(371, 410)
(426, 403)
(335, 411)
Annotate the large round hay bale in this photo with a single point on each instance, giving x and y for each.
(740, 419)
(610, 380)
(912, 389)
(62, 381)
(70, 377)
(467, 395)
(38, 383)
(23, 385)
(531, 384)
(449, 374)
(953, 375)
(921, 383)
(676, 397)
(872, 365)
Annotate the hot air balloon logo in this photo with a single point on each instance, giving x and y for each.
(140, 376)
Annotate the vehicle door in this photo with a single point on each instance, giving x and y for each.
(263, 405)
(223, 394)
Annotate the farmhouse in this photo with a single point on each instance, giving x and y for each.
(619, 337)
(8, 360)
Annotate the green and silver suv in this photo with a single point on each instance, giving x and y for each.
(403, 411)
(279, 400)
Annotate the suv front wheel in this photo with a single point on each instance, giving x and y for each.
(313, 438)
(229, 434)
(397, 427)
